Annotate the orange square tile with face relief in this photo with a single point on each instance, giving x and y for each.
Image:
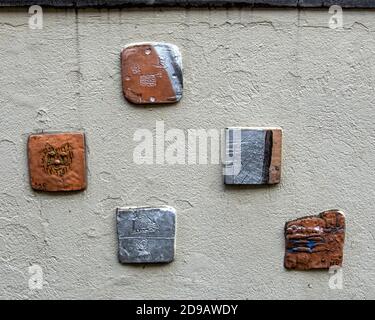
(57, 162)
(152, 73)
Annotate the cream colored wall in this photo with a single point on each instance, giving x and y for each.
(242, 67)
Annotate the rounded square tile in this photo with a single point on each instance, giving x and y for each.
(146, 234)
(152, 73)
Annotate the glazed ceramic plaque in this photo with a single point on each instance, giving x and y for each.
(146, 234)
(57, 161)
(253, 156)
(315, 242)
(152, 73)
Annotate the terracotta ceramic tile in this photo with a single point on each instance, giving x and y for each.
(152, 73)
(315, 242)
(57, 161)
(146, 234)
(253, 156)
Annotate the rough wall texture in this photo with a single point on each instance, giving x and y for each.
(243, 67)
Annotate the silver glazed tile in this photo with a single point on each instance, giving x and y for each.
(253, 156)
(146, 234)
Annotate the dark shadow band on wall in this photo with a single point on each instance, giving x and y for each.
(365, 4)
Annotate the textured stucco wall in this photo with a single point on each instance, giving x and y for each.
(242, 67)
